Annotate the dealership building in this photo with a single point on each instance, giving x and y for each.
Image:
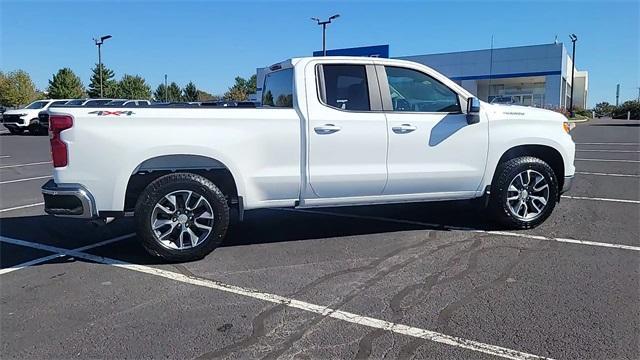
(535, 75)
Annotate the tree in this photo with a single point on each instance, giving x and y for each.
(133, 87)
(190, 92)
(241, 89)
(205, 96)
(109, 84)
(160, 93)
(175, 93)
(65, 84)
(604, 109)
(16, 88)
(630, 106)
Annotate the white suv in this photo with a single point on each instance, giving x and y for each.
(17, 121)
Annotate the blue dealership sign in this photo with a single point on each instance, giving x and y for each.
(369, 51)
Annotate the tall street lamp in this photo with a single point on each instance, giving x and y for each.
(99, 45)
(573, 38)
(324, 31)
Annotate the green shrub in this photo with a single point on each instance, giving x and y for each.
(632, 106)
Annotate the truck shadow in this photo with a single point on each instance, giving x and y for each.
(258, 227)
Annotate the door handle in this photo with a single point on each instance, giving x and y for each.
(326, 129)
(404, 129)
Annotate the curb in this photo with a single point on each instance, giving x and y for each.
(579, 121)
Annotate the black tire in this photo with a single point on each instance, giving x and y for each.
(16, 131)
(174, 182)
(36, 129)
(505, 173)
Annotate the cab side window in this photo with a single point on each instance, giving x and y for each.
(346, 87)
(413, 90)
(278, 89)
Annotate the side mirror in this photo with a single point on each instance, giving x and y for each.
(473, 110)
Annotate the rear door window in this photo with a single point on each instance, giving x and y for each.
(278, 89)
(346, 87)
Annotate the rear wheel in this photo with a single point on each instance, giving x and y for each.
(524, 192)
(181, 217)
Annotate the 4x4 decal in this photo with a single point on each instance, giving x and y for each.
(116, 113)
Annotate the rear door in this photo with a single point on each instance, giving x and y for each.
(347, 131)
(432, 148)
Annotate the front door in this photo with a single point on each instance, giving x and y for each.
(432, 148)
(347, 140)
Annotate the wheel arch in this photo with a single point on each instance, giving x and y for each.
(155, 167)
(546, 153)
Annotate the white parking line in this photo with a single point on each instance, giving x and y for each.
(57, 255)
(21, 165)
(21, 207)
(609, 160)
(600, 199)
(611, 151)
(4, 156)
(293, 303)
(605, 174)
(454, 228)
(604, 143)
(26, 179)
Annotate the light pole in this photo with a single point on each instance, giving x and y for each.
(99, 45)
(573, 38)
(324, 31)
(166, 89)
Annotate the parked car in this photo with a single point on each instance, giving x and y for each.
(88, 102)
(96, 102)
(332, 131)
(504, 100)
(26, 118)
(230, 103)
(128, 103)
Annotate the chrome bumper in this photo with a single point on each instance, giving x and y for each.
(71, 200)
(566, 186)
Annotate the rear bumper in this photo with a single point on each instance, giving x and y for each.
(71, 200)
(566, 186)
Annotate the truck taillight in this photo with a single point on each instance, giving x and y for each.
(59, 153)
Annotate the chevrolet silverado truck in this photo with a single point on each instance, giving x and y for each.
(331, 131)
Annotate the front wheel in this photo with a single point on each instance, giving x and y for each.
(524, 192)
(16, 131)
(181, 217)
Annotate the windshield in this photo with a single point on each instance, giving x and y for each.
(97, 102)
(37, 105)
(116, 102)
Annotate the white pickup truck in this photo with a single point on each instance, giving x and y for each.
(331, 131)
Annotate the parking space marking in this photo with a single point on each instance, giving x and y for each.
(57, 255)
(600, 199)
(4, 156)
(456, 228)
(605, 174)
(609, 160)
(611, 151)
(21, 207)
(293, 303)
(21, 165)
(598, 143)
(26, 179)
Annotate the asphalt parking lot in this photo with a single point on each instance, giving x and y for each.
(403, 281)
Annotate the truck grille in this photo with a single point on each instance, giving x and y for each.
(11, 118)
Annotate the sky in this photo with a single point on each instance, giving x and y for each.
(212, 42)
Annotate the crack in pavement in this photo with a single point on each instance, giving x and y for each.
(258, 322)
